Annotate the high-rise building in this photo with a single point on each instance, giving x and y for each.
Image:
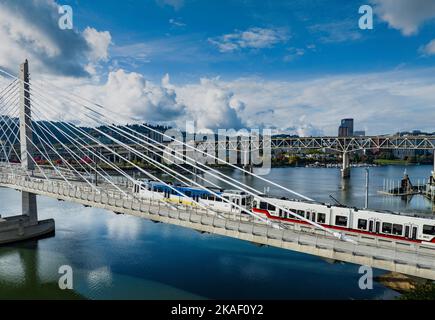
(346, 128)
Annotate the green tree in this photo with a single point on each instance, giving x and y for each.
(424, 291)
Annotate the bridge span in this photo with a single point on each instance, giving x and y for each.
(398, 256)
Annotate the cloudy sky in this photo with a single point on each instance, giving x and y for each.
(297, 66)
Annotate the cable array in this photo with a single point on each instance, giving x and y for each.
(84, 153)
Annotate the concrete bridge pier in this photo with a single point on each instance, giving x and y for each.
(26, 226)
(247, 161)
(345, 170)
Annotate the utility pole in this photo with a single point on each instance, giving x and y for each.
(29, 206)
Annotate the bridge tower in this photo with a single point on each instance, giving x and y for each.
(28, 199)
(25, 226)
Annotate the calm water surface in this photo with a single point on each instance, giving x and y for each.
(131, 258)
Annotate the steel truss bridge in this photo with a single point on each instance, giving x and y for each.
(94, 186)
(352, 144)
(343, 145)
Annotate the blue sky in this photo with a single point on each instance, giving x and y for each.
(294, 66)
(176, 37)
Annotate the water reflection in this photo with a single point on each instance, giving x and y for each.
(21, 276)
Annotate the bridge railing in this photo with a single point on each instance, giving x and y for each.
(232, 222)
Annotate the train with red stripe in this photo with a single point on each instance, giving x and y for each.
(337, 217)
(377, 223)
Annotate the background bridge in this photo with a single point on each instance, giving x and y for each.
(343, 145)
(88, 177)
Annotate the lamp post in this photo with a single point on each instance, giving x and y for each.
(367, 188)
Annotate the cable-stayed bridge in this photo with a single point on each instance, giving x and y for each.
(88, 177)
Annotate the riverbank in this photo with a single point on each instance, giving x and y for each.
(385, 162)
(410, 288)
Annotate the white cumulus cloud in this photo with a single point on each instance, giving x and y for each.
(135, 97)
(211, 105)
(99, 43)
(428, 49)
(253, 38)
(378, 101)
(405, 15)
(29, 30)
(176, 4)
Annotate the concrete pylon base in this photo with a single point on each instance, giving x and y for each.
(20, 228)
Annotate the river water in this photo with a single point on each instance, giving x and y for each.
(123, 257)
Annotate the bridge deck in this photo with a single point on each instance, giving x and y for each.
(404, 257)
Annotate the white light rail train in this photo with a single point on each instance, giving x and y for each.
(336, 217)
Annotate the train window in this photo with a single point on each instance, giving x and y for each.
(188, 193)
(243, 201)
(362, 224)
(218, 199)
(414, 233)
(321, 217)
(308, 215)
(430, 230)
(255, 204)
(371, 225)
(341, 221)
(386, 227)
(263, 205)
(407, 231)
(301, 213)
(397, 229)
(271, 207)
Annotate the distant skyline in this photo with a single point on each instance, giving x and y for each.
(294, 66)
